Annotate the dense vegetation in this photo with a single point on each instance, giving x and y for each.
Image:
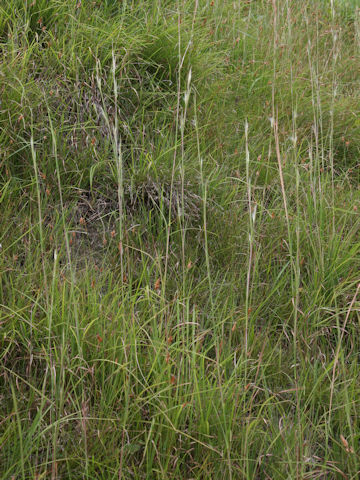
(180, 250)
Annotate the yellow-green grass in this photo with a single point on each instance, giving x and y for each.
(179, 229)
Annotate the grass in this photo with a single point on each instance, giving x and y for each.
(179, 293)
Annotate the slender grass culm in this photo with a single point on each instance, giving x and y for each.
(179, 240)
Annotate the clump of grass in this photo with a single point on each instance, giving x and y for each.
(179, 240)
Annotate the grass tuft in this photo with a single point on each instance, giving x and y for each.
(179, 239)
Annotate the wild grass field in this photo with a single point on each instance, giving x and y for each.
(180, 239)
